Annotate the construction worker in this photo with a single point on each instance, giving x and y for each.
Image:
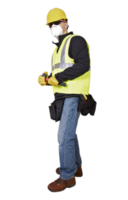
(71, 65)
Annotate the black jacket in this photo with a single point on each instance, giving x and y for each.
(79, 52)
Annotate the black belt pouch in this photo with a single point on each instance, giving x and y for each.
(89, 107)
(54, 110)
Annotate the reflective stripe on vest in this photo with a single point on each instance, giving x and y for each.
(61, 56)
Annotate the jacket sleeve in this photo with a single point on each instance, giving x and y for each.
(79, 52)
(50, 74)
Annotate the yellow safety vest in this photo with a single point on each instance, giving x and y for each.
(60, 62)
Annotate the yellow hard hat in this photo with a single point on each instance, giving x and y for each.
(54, 15)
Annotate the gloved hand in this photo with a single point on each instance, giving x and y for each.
(53, 81)
(41, 79)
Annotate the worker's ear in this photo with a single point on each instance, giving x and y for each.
(68, 25)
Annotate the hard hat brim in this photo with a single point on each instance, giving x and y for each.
(45, 24)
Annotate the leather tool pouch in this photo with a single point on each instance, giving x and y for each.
(86, 106)
(56, 109)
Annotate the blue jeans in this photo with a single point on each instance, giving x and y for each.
(69, 152)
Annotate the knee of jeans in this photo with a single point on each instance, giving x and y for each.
(60, 140)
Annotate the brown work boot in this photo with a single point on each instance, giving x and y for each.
(78, 173)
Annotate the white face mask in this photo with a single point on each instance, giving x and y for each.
(56, 30)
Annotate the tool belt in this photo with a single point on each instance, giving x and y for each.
(86, 105)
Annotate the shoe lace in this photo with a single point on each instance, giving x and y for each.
(58, 180)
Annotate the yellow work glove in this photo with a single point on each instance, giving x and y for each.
(53, 81)
(40, 80)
